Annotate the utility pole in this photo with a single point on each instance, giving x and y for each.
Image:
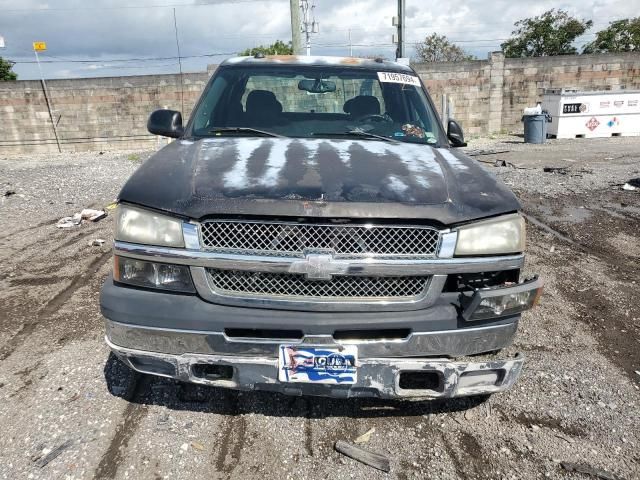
(309, 24)
(296, 30)
(400, 52)
(350, 45)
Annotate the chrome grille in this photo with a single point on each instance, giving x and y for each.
(296, 239)
(234, 282)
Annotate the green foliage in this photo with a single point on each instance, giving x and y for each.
(438, 48)
(552, 33)
(277, 48)
(6, 74)
(619, 36)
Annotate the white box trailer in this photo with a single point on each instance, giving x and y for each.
(592, 114)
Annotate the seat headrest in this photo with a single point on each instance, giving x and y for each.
(362, 105)
(261, 101)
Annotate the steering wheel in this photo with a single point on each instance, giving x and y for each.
(373, 117)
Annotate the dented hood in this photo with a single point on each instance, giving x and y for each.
(318, 178)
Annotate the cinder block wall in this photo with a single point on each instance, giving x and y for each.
(487, 96)
(91, 114)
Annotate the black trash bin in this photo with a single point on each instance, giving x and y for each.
(535, 127)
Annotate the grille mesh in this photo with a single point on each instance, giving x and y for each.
(293, 285)
(292, 239)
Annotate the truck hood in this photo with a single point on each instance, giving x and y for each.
(317, 178)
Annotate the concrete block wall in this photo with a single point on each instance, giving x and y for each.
(527, 78)
(90, 114)
(487, 96)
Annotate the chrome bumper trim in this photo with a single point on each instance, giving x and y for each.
(377, 377)
(450, 343)
(372, 266)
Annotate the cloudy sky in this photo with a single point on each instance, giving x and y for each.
(118, 37)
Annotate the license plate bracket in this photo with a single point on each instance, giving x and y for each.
(336, 365)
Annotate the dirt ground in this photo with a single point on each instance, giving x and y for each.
(578, 401)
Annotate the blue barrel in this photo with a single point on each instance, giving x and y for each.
(535, 128)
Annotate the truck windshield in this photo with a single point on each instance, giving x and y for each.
(315, 102)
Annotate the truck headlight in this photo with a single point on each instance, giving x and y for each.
(489, 303)
(136, 225)
(505, 234)
(145, 274)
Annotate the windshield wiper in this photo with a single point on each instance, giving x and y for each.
(357, 133)
(245, 130)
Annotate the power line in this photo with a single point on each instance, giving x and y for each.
(124, 60)
(132, 7)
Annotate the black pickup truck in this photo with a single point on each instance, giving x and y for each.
(314, 230)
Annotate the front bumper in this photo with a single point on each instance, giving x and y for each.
(176, 335)
(377, 377)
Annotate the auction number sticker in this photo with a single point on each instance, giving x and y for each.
(393, 77)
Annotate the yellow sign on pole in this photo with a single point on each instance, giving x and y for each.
(39, 46)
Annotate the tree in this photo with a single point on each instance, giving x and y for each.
(277, 48)
(6, 73)
(619, 36)
(438, 48)
(552, 33)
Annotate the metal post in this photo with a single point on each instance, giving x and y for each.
(296, 41)
(46, 98)
(175, 27)
(350, 45)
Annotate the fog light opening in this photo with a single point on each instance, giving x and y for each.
(421, 381)
(212, 372)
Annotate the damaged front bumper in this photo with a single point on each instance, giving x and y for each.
(377, 377)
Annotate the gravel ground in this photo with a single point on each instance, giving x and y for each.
(578, 400)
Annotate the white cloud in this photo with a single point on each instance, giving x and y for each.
(110, 29)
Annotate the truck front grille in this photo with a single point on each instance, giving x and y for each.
(345, 288)
(297, 239)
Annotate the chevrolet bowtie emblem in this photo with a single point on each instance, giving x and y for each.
(317, 266)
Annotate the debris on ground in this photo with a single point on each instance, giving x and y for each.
(93, 215)
(98, 242)
(374, 460)
(629, 187)
(365, 437)
(477, 153)
(69, 222)
(558, 170)
(587, 470)
(197, 446)
(53, 454)
(8, 193)
(86, 214)
(111, 206)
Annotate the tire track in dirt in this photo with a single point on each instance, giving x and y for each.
(27, 229)
(233, 436)
(615, 336)
(308, 428)
(53, 305)
(469, 459)
(131, 418)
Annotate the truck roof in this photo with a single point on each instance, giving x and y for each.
(368, 63)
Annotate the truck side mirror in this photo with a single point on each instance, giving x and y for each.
(167, 123)
(455, 134)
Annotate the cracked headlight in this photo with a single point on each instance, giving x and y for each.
(500, 235)
(162, 276)
(136, 225)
